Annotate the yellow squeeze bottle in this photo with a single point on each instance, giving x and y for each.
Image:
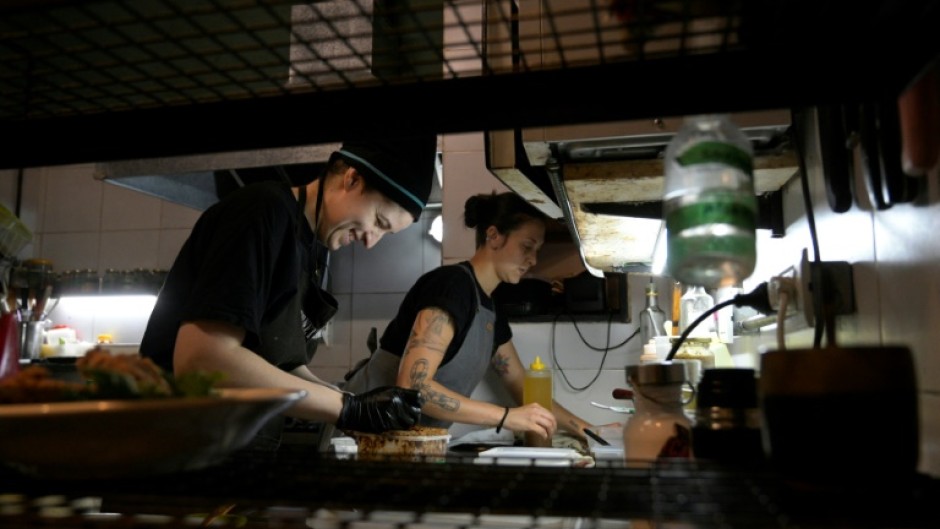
(538, 388)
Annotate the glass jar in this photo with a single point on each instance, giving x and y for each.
(696, 355)
(727, 420)
(659, 429)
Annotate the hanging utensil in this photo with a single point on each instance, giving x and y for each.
(39, 309)
(897, 187)
(618, 409)
(871, 167)
(836, 157)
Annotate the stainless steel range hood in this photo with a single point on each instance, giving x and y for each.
(329, 41)
(605, 180)
(194, 181)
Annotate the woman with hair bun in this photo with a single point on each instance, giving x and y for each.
(447, 332)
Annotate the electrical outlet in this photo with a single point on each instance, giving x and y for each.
(827, 285)
(783, 293)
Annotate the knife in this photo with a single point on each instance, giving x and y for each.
(596, 437)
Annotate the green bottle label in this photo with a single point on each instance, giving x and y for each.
(729, 211)
(716, 152)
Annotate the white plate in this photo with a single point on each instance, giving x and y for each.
(522, 455)
(118, 438)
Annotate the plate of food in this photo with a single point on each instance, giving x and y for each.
(128, 420)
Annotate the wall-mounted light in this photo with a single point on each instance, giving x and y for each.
(437, 228)
(124, 306)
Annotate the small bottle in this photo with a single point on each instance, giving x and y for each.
(727, 419)
(537, 388)
(709, 204)
(659, 429)
(652, 317)
(694, 303)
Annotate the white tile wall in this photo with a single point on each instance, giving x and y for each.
(81, 223)
(465, 174)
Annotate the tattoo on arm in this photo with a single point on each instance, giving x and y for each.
(427, 331)
(419, 381)
(500, 364)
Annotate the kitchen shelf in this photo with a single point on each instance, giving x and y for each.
(96, 81)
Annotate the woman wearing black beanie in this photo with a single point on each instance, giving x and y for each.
(243, 297)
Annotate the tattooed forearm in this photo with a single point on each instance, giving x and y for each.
(500, 364)
(419, 381)
(428, 330)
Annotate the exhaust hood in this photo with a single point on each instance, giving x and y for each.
(198, 181)
(328, 43)
(605, 180)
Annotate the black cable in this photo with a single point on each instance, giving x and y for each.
(584, 340)
(756, 299)
(605, 350)
(795, 133)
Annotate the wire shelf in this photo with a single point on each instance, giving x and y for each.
(141, 64)
(108, 56)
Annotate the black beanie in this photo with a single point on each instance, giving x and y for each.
(402, 169)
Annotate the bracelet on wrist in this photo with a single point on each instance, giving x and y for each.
(501, 421)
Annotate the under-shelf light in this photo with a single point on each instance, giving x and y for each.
(124, 305)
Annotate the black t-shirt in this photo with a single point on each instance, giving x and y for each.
(241, 265)
(448, 288)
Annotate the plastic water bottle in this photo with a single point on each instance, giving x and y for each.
(537, 387)
(709, 204)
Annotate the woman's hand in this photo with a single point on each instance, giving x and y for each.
(531, 418)
(383, 408)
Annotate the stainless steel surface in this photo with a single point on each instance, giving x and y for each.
(31, 337)
(190, 180)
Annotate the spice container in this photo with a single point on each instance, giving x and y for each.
(659, 428)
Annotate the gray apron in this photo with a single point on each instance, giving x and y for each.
(461, 374)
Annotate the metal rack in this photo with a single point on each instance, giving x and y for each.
(91, 81)
(294, 488)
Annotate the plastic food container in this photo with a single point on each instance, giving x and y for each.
(419, 444)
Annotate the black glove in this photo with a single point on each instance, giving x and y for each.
(381, 409)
